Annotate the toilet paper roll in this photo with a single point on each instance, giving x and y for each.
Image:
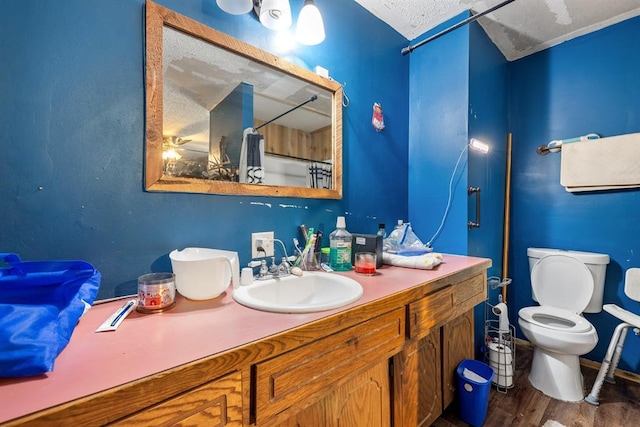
(499, 354)
(502, 312)
(503, 378)
(501, 360)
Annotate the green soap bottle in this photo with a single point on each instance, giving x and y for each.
(340, 247)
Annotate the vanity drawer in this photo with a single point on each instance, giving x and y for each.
(429, 311)
(217, 403)
(469, 293)
(299, 374)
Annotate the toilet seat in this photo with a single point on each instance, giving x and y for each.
(555, 319)
(563, 282)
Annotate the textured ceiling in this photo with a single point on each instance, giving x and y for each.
(518, 29)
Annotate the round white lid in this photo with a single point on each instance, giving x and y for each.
(585, 257)
(562, 281)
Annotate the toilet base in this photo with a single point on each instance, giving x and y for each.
(557, 375)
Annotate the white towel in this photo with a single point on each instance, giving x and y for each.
(319, 175)
(601, 164)
(251, 168)
(423, 262)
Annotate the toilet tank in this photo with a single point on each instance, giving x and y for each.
(595, 262)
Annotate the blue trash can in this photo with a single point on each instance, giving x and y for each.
(474, 385)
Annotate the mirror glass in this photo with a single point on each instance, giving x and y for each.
(224, 117)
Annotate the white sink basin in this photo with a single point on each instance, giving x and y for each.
(314, 291)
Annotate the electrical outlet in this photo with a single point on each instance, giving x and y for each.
(267, 244)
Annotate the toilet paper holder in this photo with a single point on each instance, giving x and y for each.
(499, 348)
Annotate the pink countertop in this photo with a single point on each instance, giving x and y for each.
(146, 344)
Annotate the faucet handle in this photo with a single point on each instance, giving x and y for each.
(263, 268)
(285, 267)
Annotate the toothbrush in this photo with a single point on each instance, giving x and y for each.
(296, 243)
(307, 249)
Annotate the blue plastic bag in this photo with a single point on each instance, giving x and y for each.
(40, 305)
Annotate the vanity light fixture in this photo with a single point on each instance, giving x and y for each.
(235, 7)
(274, 14)
(310, 27)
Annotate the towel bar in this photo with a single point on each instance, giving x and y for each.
(556, 145)
(543, 149)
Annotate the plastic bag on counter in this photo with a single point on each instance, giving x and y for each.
(40, 305)
(403, 241)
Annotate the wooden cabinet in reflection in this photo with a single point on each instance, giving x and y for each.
(284, 141)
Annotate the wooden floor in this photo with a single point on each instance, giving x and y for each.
(523, 405)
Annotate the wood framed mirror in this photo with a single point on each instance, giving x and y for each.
(207, 91)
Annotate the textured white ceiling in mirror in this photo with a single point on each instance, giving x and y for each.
(197, 76)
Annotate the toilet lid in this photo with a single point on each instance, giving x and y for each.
(562, 281)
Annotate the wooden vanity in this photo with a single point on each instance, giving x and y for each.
(388, 359)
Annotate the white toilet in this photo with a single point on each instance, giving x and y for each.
(565, 284)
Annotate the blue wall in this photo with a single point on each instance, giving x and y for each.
(488, 122)
(458, 91)
(72, 143)
(438, 133)
(72, 137)
(589, 84)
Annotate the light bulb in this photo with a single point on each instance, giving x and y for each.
(275, 14)
(235, 7)
(478, 145)
(310, 27)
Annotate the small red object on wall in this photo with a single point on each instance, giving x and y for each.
(377, 121)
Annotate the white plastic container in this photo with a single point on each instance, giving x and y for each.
(203, 273)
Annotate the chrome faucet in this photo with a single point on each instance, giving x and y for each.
(263, 268)
(284, 268)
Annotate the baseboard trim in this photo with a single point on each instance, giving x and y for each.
(626, 375)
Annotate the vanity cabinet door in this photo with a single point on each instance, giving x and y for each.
(440, 332)
(217, 403)
(312, 416)
(310, 372)
(457, 345)
(417, 381)
(363, 401)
